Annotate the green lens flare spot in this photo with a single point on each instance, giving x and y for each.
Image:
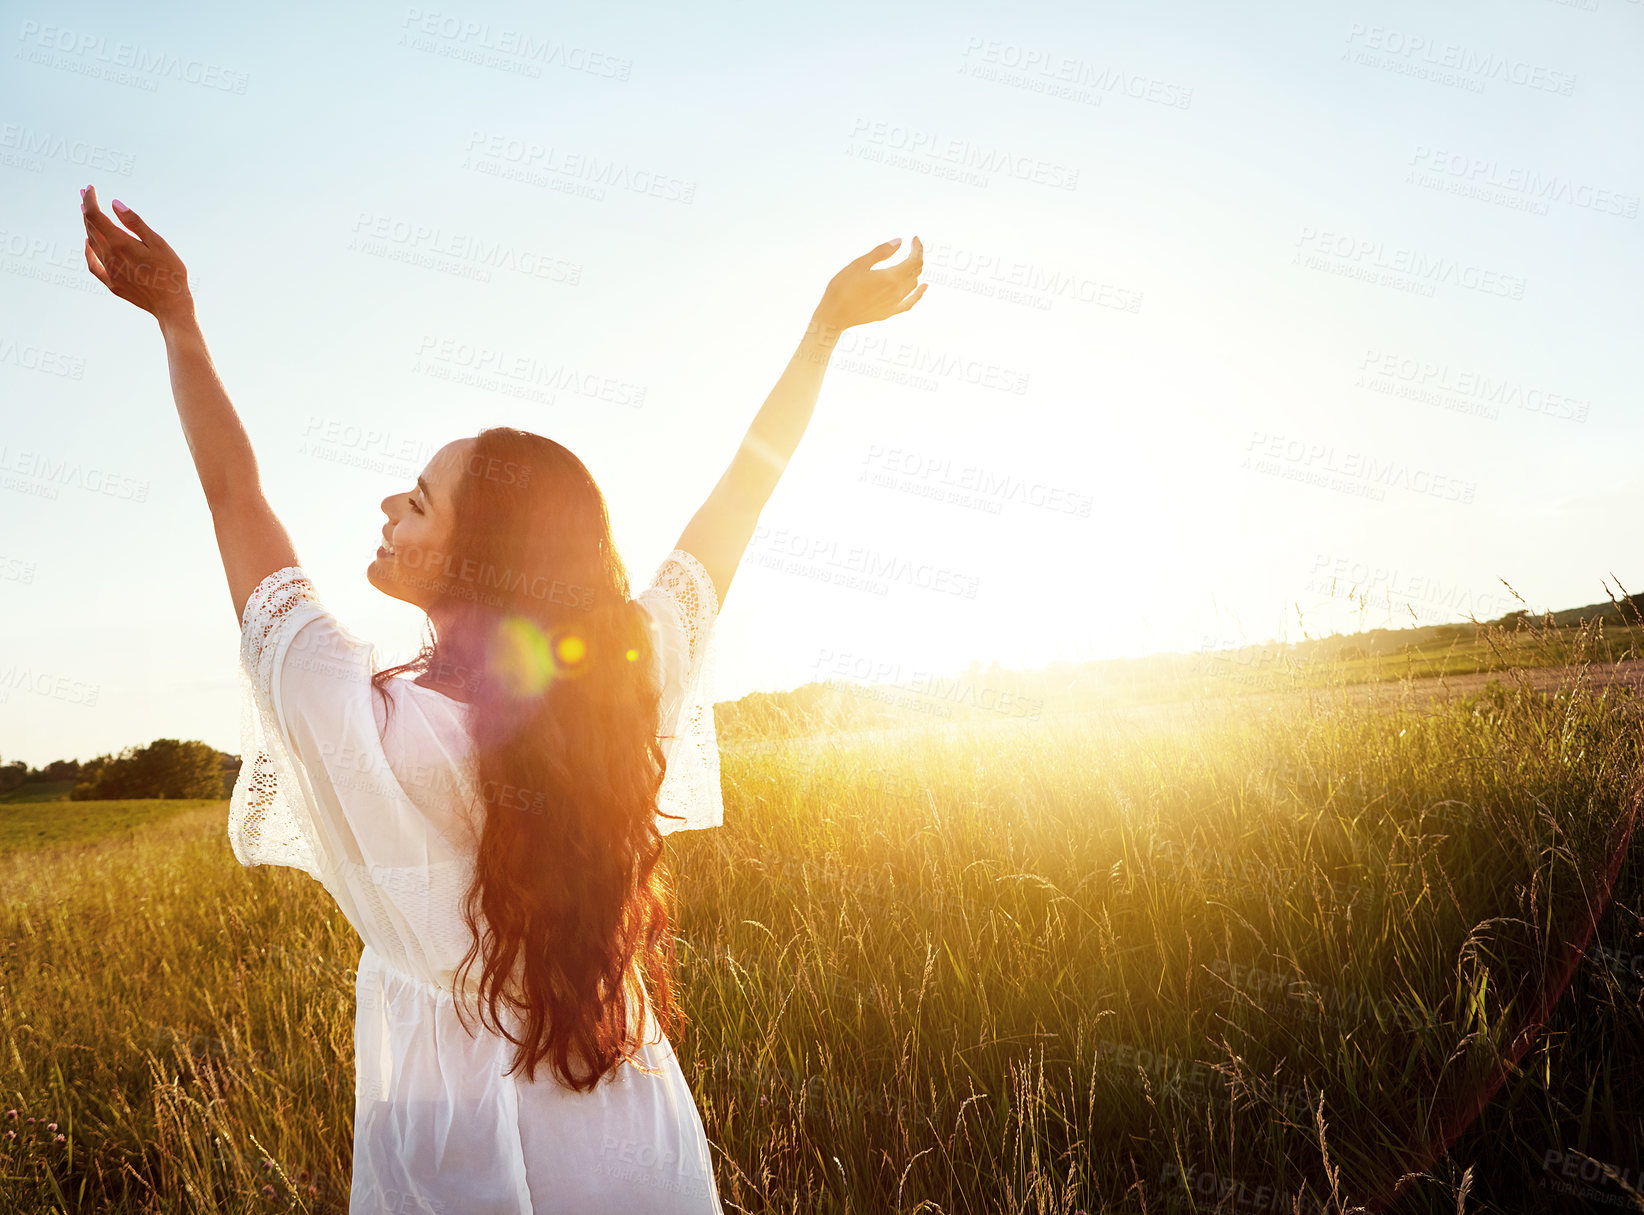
(521, 659)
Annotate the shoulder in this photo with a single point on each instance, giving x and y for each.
(283, 606)
(304, 664)
(681, 601)
(682, 578)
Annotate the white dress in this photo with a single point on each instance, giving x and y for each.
(372, 815)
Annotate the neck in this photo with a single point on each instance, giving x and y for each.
(457, 665)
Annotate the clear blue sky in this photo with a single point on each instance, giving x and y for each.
(1155, 339)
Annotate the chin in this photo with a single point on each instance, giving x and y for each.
(380, 574)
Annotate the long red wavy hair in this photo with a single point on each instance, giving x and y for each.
(569, 905)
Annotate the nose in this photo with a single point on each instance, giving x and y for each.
(385, 505)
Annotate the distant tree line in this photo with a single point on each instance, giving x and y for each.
(18, 773)
(166, 768)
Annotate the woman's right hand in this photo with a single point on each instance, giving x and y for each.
(138, 266)
(859, 294)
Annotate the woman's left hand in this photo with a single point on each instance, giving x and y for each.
(860, 295)
(140, 269)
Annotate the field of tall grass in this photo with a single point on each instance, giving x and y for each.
(1292, 952)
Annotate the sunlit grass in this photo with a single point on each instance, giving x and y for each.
(27, 823)
(1101, 962)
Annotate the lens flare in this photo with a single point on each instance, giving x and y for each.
(571, 650)
(520, 658)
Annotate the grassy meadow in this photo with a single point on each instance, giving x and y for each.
(1266, 949)
(33, 825)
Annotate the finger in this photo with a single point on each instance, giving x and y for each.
(96, 267)
(913, 263)
(911, 300)
(91, 228)
(95, 239)
(102, 223)
(99, 245)
(135, 222)
(106, 228)
(878, 253)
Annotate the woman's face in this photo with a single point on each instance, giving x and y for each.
(407, 565)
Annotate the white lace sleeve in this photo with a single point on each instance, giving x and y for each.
(272, 817)
(684, 606)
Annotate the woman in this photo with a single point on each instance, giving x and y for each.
(489, 815)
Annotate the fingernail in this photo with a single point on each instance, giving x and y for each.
(83, 192)
(896, 242)
(120, 206)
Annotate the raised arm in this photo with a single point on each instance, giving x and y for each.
(718, 533)
(144, 270)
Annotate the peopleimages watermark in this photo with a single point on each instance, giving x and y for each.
(374, 1196)
(28, 149)
(1402, 269)
(41, 476)
(1624, 966)
(784, 1088)
(1309, 782)
(855, 566)
(1571, 1167)
(495, 369)
(1236, 650)
(370, 448)
(874, 888)
(368, 771)
(1287, 996)
(1258, 667)
(45, 260)
(584, 174)
(1193, 1185)
(952, 158)
(30, 356)
(1349, 577)
(1448, 63)
(202, 1046)
(1190, 1079)
(457, 253)
(641, 1162)
(44, 683)
(1061, 76)
(42, 259)
(1222, 874)
(1461, 390)
(903, 362)
(830, 983)
(508, 50)
(1513, 186)
(955, 689)
(123, 63)
(327, 1192)
(15, 569)
(1348, 472)
(933, 476)
(483, 581)
(1016, 281)
(354, 768)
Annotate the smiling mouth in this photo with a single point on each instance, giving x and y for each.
(384, 550)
